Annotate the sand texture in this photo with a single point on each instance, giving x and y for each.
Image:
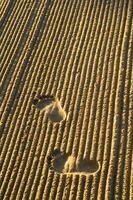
(66, 96)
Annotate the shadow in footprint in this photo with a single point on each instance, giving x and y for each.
(52, 106)
(43, 102)
(63, 163)
(89, 166)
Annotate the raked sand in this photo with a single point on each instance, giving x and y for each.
(66, 94)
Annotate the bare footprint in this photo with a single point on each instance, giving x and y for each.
(63, 163)
(52, 106)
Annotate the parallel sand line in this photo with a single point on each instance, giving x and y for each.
(10, 35)
(6, 10)
(11, 27)
(126, 64)
(94, 83)
(70, 88)
(31, 72)
(8, 74)
(20, 40)
(88, 185)
(36, 137)
(118, 108)
(106, 102)
(94, 98)
(104, 61)
(59, 138)
(93, 78)
(51, 144)
(79, 89)
(81, 186)
(74, 187)
(129, 156)
(8, 29)
(4, 6)
(77, 20)
(17, 38)
(66, 191)
(27, 29)
(71, 105)
(99, 87)
(18, 73)
(111, 108)
(57, 180)
(2, 145)
(128, 172)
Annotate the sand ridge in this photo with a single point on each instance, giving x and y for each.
(79, 52)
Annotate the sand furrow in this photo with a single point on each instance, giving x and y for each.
(16, 43)
(66, 99)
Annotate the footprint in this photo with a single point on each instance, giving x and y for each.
(52, 106)
(63, 163)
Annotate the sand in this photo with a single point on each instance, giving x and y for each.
(77, 58)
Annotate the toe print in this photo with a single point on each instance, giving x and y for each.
(43, 102)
